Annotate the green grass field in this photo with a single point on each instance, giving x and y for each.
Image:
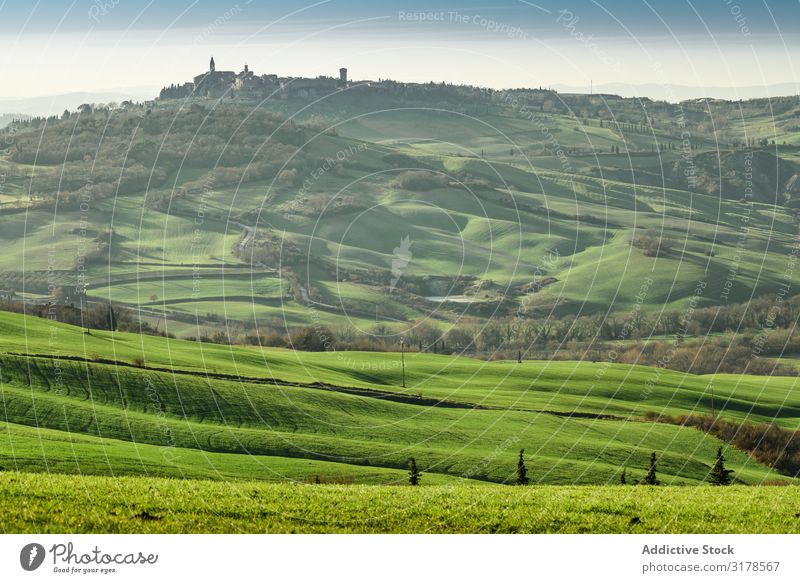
(120, 432)
(503, 230)
(602, 388)
(41, 503)
(175, 408)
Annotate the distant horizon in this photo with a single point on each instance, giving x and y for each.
(50, 49)
(624, 90)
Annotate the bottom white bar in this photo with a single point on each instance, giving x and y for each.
(406, 558)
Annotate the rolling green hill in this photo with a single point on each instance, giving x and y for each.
(194, 243)
(228, 213)
(176, 408)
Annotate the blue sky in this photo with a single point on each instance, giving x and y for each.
(645, 17)
(59, 46)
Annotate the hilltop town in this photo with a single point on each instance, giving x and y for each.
(246, 83)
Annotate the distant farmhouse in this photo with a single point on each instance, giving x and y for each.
(218, 84)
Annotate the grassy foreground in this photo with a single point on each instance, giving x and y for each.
(45, 503)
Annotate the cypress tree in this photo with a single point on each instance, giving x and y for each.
(623, 479)
(111, 318)
(414, 475)
(719, 476)
(522, 471)
(650, 479)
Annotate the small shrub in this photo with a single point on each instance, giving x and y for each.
(652, 245)
(420, 180)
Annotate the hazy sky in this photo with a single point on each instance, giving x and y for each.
(53, 46)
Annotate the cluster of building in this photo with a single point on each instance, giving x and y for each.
(214, 83)
(382, 93)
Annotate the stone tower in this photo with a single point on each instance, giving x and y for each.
(343, 76)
